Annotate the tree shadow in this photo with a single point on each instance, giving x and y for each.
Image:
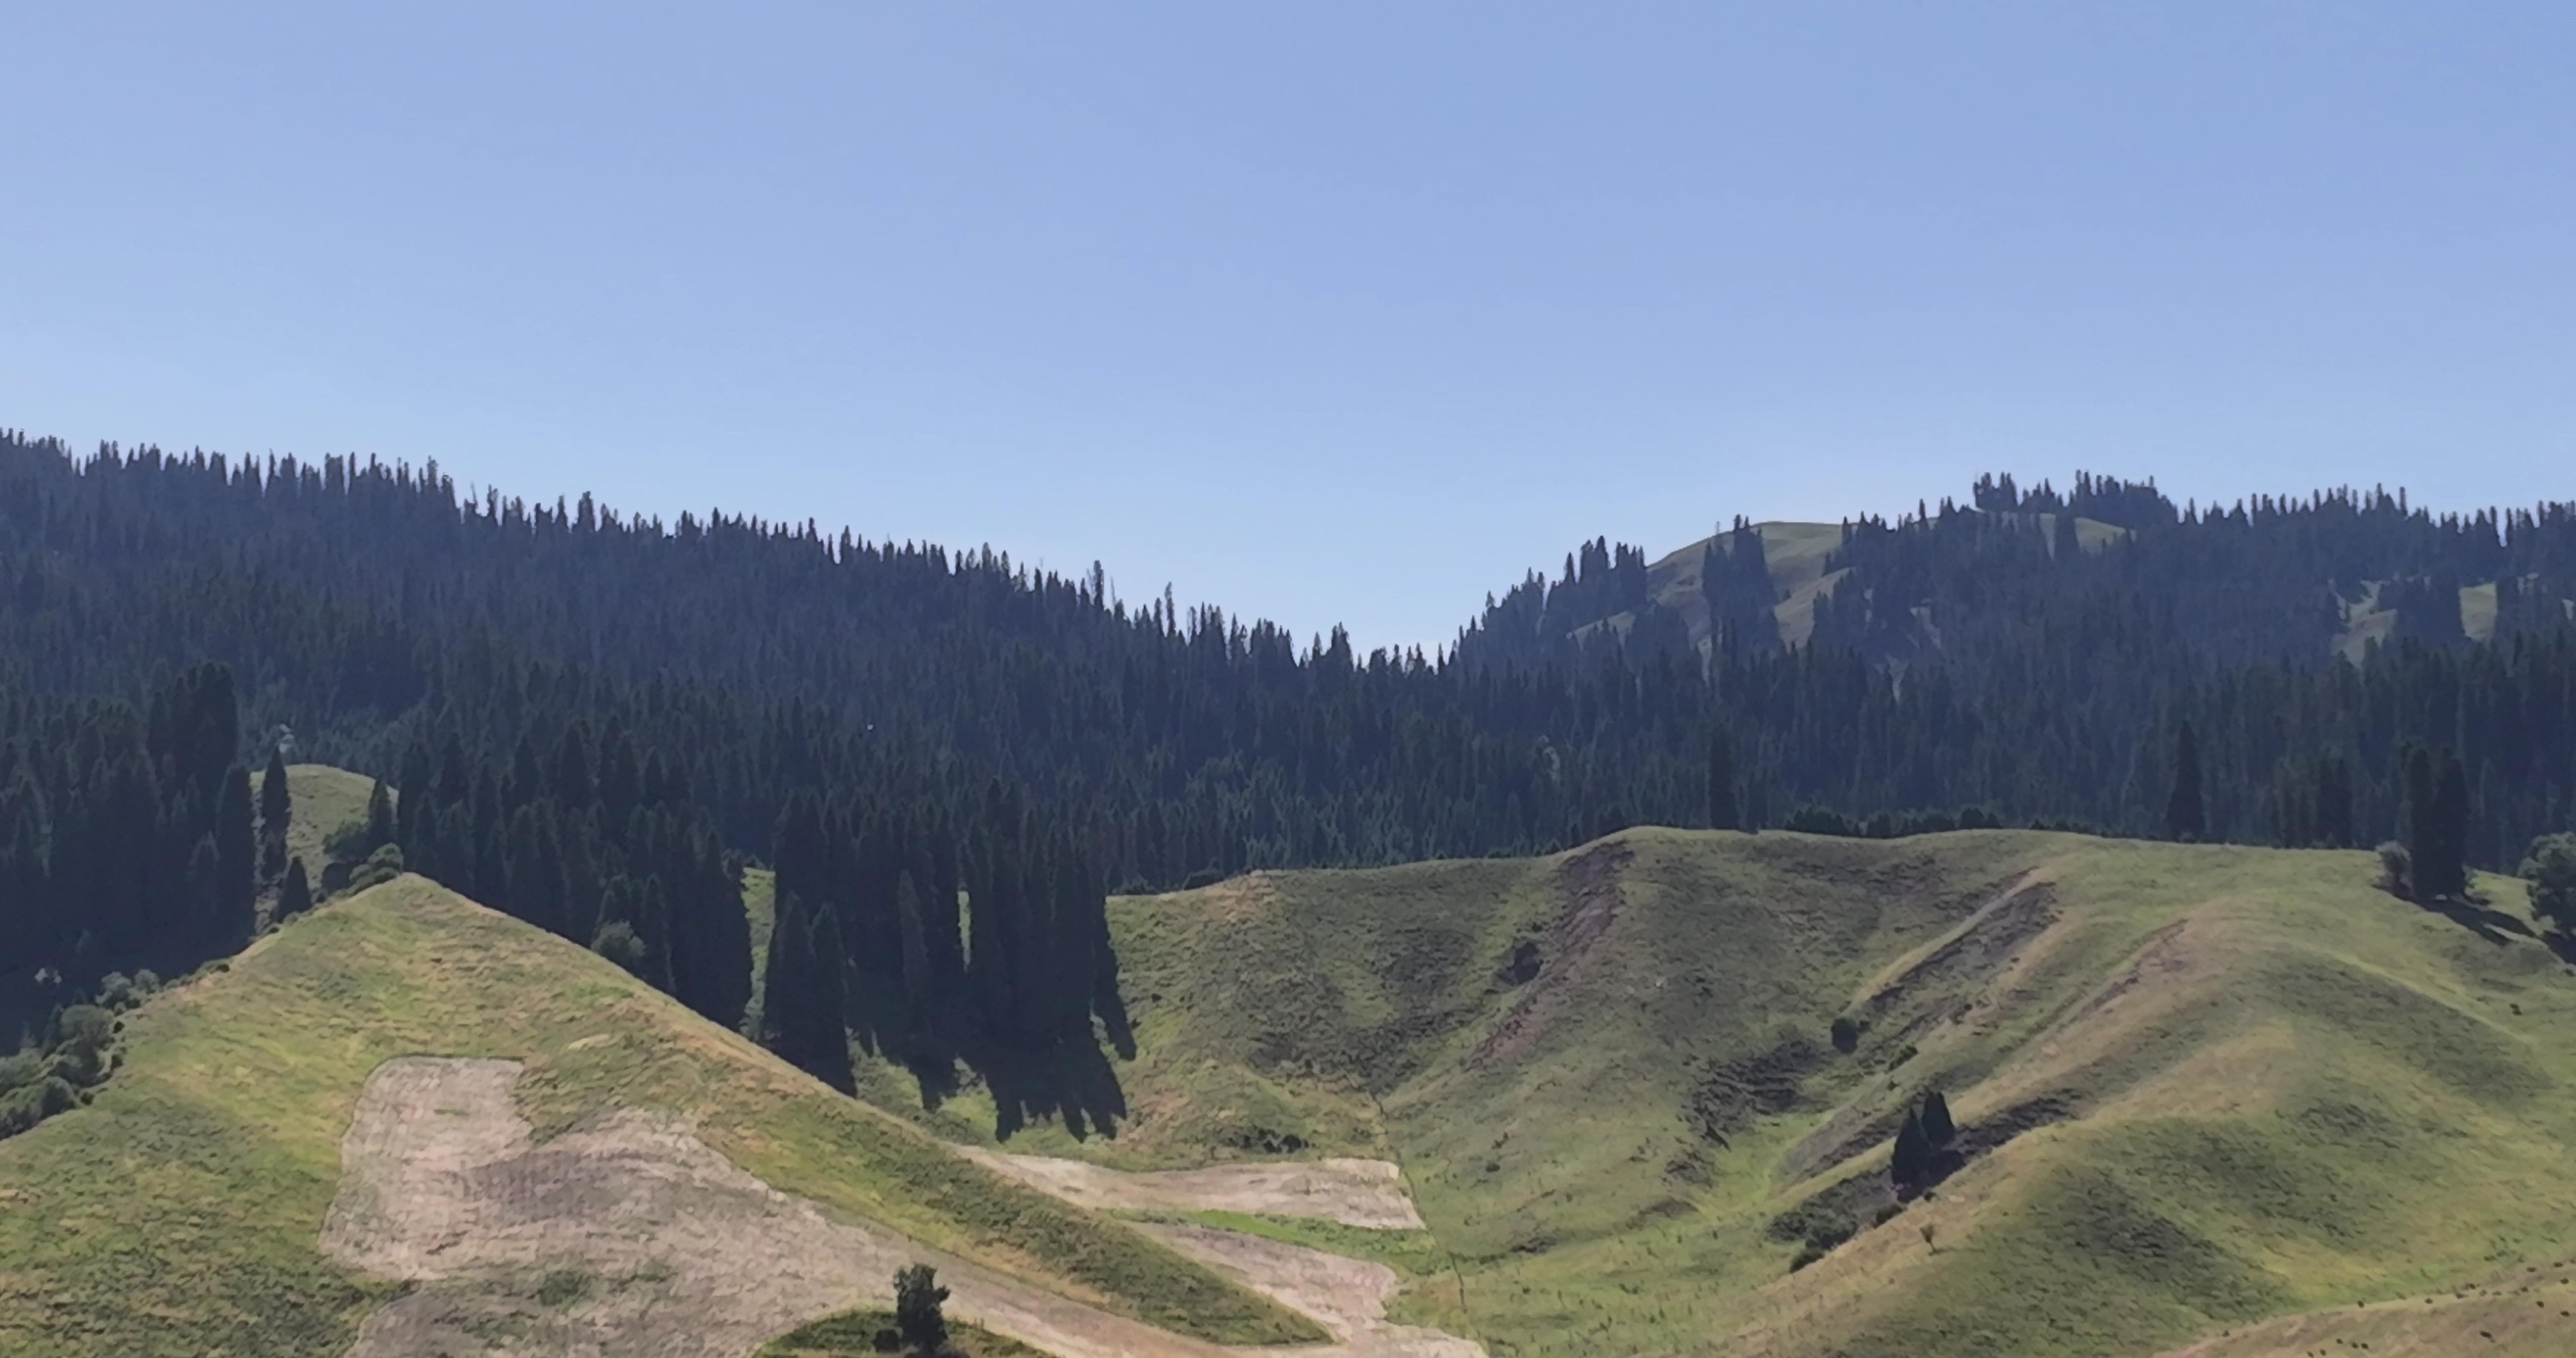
(2493, 925)
(1073, 1082)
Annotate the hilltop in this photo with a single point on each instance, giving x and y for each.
(2196, 1087)
(404, 1118)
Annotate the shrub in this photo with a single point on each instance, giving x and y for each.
(617, 942)
(382, 866)
(2550, 867)
(2397, 870)
(1846, 1035)
(23, 1108)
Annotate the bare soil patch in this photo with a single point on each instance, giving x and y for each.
(1589, 882)
(625, 1235)
(1348, 1295)
(1354, 1192)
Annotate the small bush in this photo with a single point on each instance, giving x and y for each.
(382, 866)
(1846, 1035)
(2397, 870)
(617, 941)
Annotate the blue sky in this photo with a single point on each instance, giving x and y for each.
(1319, 311)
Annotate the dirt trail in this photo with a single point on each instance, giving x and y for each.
(1354, 1192)
(1348, 1295)
(628, 1235)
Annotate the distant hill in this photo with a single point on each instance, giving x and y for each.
(248, 1181)
(2195, 1087)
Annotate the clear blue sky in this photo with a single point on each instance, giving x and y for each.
(1318, 311)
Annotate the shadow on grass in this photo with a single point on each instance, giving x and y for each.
(2495, 926)
(1072, 1081)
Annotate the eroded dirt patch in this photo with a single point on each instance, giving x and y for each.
(1354, 1192)
(624, 1236)
(1734, 1092)
(1348, 1295)
(1977, 952)
(1589, 882)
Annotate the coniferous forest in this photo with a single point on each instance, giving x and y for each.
(594, 720)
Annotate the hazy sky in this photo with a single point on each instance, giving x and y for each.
(1317, 311)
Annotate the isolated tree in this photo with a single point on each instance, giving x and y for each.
(2550, 867)
(296, 895)
(2437, 822)
(1846, 1035)
(276, 809)
(1724, 813)
(1913, 1154)
(380, 817)
(917, 1317)
(2450, 870)
(2185, 818)
(1938, 1130)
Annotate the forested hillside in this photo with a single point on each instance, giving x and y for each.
(1965, 659)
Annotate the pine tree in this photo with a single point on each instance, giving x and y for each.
(276, 810)
(917, 1315)
(237, 866)
(801, 1009)
(2184, 817)
(2445, 872)
(381, 826)
(1723, 811)
(1937, 1127)
(1912, 1157)
(296, 896)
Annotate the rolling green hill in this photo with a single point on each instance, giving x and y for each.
(2197, 1086)
(179, 1213)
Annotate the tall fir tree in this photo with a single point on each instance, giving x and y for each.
(802, 1012)
(1724, 812)
(2185, 816)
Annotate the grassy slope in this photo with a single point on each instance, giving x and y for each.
(323, 799)
(2292, 1092)
(179, 1214)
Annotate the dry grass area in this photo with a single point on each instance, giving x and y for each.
(623, 1235)
(1348, 1295)
(1354, 1192)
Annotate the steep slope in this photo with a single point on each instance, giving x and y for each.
(2197, 1086)
(187, 1210)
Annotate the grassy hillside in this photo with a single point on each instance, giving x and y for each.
(2209, 1084)
(323, 799)
(179, 1214)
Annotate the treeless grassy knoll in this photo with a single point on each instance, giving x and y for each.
(180, 1213)
(325, 798)
(2197, 1086)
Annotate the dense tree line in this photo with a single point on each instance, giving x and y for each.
(870, 937)
(128, 837)
(1986, 657)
